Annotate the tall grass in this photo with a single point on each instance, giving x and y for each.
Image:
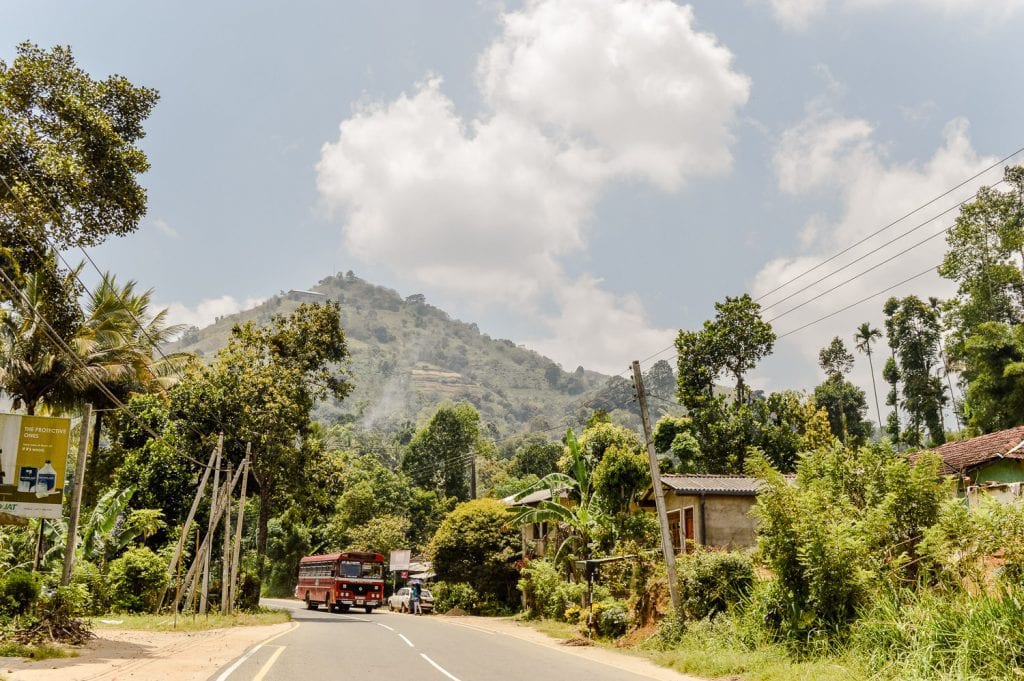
(932, 634)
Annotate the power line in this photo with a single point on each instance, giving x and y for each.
(875, 250)
(891, 224)
(858, 276)
(854, 304)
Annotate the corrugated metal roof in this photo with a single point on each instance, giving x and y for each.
(966, 454)
(695, 483)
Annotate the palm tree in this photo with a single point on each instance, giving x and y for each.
(863, 338)
(35, 368)
(578, 521)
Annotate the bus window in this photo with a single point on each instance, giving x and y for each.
(348, 568)
(372, 570)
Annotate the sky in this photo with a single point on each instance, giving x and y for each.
(584, 177)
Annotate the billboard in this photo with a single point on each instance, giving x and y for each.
(33, 464)
(399, 559)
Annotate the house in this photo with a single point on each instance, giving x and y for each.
(708, 510)
(537, 537)
(991, 464)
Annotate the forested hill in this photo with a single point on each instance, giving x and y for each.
(408, 356)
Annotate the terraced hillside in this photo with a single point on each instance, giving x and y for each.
(408, 356)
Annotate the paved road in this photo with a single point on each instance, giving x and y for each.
(393, 647)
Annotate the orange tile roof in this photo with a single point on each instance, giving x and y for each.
(966, 454)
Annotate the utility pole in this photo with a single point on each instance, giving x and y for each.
(211, 526)
(472, 475)
(233, 584)
(667, 547)
(76, 495)
(225, 562)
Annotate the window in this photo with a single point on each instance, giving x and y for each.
(675, 529)
(539, 530)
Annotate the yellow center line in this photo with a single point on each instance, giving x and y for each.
(269, 663)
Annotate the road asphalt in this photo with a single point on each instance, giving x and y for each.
(387, 646)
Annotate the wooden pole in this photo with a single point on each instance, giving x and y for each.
(76, 495)
(175, 564)
(211, 526)
(238, 531)
(667, 547)
(225, 560)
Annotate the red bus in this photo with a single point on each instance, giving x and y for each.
(342, 581)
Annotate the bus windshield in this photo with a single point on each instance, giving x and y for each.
(354, 569)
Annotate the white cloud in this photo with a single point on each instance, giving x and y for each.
(205, 312)
(800, 14)
(166, 228)
(598, 329)
(843, 156)
(577, 94)
(632, 80)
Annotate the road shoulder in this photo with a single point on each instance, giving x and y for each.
(124, 654)
(612, 658)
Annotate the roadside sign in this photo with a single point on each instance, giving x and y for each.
(399, 559)
(33, 464)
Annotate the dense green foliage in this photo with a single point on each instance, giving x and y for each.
(476, 544)
(137, 579)
(712, 582)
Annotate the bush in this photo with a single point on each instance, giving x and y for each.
(458, 595)
(89, 577)
(248, 597)
(711, 582)
(137, 580)
(547, 595)
(610, 618)
(18, 592)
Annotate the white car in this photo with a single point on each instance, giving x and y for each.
(400, 600)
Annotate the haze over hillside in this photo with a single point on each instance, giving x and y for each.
(408, 356)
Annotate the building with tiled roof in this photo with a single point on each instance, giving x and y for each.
(708, 510)
(990, 464)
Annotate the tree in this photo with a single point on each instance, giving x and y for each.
(439, 455)
(261, 388)
(732, 343)
(913, 330)
(476, 544)
(844, 402)
(984, 257)
(834, 359)
(37, 357)
(994, 369)
(69, 155)
(534, 454)
(619, 478)
(863, 339)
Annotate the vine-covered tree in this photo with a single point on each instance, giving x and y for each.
(845, 403)
(438, 458)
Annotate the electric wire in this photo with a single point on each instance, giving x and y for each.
(891, 224)
(876, 250)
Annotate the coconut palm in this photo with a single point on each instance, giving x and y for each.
(863, 338)
(35, 368)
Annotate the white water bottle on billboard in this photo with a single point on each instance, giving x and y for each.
(46, 480)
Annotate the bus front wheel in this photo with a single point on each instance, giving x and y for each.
(369, 610)
(310, 605)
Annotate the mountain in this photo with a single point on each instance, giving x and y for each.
(407, 356)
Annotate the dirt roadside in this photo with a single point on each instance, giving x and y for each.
(122, 655)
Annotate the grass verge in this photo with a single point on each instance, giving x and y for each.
(40, 652)
(189, 622)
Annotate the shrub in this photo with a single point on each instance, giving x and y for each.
(711, 582)
(458, 595)
(610, 618)
(248, 598)
(476, 544)
(89, 577)
(18, 591)
(547, 595)
(137, 580)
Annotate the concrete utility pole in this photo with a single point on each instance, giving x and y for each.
(76, 495)
(472, 475)
(667, 547)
